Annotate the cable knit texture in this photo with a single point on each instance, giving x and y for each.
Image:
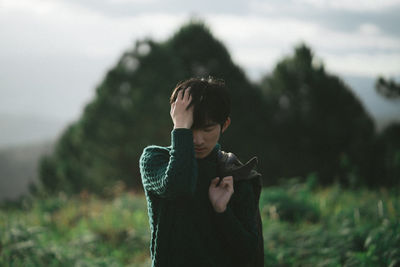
(185, 229)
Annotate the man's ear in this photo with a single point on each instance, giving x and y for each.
(226, 124)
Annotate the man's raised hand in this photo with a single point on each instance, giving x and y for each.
(181, 116)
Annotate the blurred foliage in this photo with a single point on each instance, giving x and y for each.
(385, 157)
(298, 120)
(316, 121)
(388, 88)
(291, 202)
(333, 226)
(131, 111)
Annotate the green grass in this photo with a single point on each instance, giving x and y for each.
(330, 226)
(84, 231)
(303, 226)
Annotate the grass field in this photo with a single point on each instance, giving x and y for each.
(304, 225)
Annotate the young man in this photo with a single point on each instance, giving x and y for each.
(202, 202)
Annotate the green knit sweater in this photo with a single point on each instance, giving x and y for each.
(185, 229)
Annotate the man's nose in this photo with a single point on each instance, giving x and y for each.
(197, 138)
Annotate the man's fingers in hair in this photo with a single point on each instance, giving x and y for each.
(179, 95)
(187, 94)
(183, 93)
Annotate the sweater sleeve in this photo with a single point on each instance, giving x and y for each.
(238, 223)
(174, 173)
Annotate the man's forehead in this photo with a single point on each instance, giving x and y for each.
(210, 124)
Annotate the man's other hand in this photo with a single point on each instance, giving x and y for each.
(220, 195)
(182, 117)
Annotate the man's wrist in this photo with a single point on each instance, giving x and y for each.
(181, 126)
(182, 138)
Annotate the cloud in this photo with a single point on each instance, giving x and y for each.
(55, 50)
(357, 6)
(344, 16)
(132, 1)
(60, 50)
(258, 42)
(74, 28)
(59, 28)
(369, 29)
(372, 65)
(354, 5)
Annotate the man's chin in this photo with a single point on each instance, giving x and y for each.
(201, 155)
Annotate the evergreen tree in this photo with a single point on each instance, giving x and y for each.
(318, 124)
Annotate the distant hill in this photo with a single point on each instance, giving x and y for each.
(18, 167)
(383, 111)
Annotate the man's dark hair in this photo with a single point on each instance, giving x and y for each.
(210, 98)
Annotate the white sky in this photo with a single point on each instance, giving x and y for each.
(54, 52)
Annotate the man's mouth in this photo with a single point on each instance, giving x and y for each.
(199, 149)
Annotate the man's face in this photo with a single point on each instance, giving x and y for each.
(205, 139)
